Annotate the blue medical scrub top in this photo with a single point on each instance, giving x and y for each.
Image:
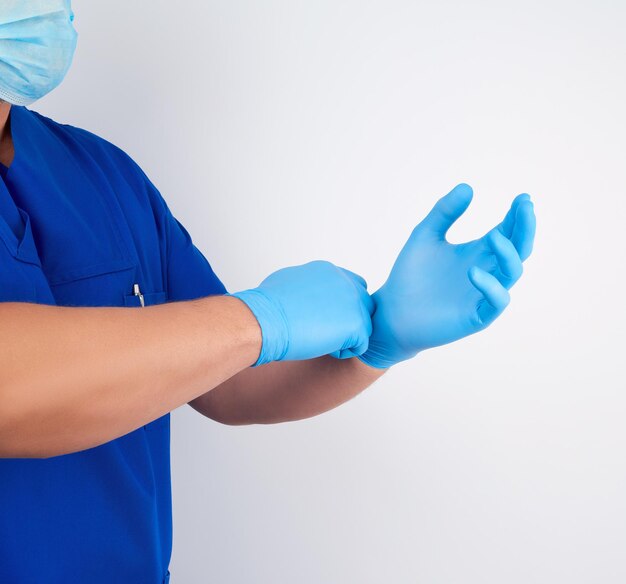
(80, 224)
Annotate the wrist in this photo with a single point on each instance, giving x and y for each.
(368, 368)
(245, 327)
(271, 323)
(387, 345)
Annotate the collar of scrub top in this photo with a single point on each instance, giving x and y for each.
(23, 249)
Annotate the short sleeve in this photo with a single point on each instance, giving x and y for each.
(189, 273)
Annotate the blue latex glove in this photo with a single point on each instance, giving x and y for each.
(438, 292)
(311, 310)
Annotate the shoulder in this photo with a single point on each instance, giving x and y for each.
(100, 148)
(112, 160)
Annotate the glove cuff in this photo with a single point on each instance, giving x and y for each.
(378, 355)
(376, 362)
(273, 323)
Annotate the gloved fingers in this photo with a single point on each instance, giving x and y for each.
(446, 211)
(509, 262)
(506, 227)
(361, 286)
(369, 326)
(355, 277)
(523, 235)
(368, 302)
(360, 349)
(352, 352)
(495, 296)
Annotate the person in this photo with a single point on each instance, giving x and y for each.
(110, 318)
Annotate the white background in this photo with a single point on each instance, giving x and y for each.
(285, 131)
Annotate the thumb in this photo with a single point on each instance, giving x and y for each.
(446, 211)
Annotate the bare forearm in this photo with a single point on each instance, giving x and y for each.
(286, 391)
(73, 378)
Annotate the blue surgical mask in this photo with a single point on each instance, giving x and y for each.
(37, 43)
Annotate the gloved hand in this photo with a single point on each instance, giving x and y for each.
(311, 310)
(438, 292)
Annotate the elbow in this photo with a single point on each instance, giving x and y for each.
(227, 420)
(22, 437)
(22, 453)
(226, 416)
(27, 444)
(17, 448)
(234, 422)
(17, 443)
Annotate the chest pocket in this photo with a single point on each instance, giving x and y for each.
(111, 284)
(132, 279)
(129, 274)
(141, 299)
(94, 233)
(106, 286)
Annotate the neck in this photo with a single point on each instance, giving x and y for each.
(6, 143)
(5, 108)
